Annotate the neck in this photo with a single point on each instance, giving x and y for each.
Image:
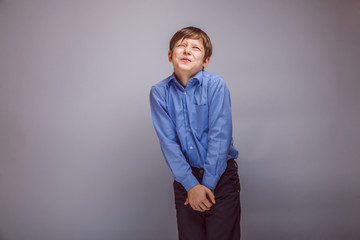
(182, 79)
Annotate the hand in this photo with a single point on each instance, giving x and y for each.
(200, 198)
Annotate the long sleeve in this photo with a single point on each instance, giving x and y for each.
(220, 132)
(169, 142)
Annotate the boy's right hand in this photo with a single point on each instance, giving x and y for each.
(200, 198)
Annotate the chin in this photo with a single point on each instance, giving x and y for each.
(184, 68)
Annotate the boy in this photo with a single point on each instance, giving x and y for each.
(192, 118)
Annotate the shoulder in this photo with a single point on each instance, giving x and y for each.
(161, 87)
(162, 83)
(213, 80)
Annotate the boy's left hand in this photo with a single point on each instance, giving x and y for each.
(200, 198)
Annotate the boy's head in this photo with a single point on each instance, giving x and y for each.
(190, 51)
(192, 33)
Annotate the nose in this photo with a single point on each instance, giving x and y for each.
(187, 50)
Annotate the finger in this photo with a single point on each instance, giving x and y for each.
(207, 203)
(203, 207)
(198, 208)
(210, 195)
(194, 207)
(187, 201)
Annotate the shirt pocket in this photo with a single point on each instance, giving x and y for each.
(201, 119)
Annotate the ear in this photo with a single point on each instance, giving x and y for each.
(206, 62)
(169, 56)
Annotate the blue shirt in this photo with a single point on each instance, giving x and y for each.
(194, 126)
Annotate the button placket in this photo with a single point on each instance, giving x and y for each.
(186, 120)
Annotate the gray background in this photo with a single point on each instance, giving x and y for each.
(79, 158)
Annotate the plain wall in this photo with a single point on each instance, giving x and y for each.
(79, 158)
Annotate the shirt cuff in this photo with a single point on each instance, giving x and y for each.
(189, 182)
(210, 181)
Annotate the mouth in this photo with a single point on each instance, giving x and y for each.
(185, 59)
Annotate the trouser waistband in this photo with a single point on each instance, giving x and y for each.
(199, 172)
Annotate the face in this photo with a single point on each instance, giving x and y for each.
(188, 57)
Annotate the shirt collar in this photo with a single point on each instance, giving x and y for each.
(198, 77)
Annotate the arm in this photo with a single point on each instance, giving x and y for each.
(220, 132)
(166, 131)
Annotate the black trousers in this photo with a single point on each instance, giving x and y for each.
(222, 221)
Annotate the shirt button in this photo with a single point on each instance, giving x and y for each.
(184, 93)
(191, 147)
(186, 110)
(189, 129)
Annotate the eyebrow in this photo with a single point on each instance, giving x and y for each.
(192, 44)
(198, 46)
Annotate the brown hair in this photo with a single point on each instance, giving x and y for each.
(195, 33)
